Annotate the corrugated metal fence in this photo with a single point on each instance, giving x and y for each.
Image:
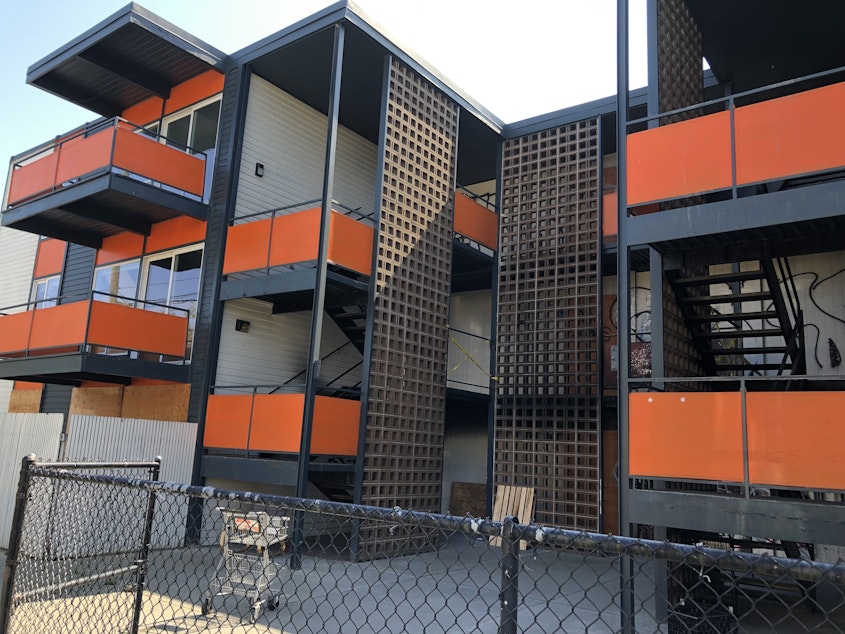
(93, 438)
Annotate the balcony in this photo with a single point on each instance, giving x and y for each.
(101, 180)
(715, 166)
(739, 453)
(101, 338)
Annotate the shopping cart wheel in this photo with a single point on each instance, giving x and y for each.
(273, 603)
(256, 610)
(207, 606)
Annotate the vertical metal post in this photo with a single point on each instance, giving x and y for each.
(653, 89)
(746, 485)
(144, 552)
(14, 542)
(509, 593)
(313, 369)
(624, 304)
(494, 341)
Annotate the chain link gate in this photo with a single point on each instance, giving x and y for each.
(100, 552)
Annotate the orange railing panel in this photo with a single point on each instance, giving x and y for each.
(686, 435)
(169, 166)
(296, 237)
(14, 333)
(335, 430)
(247, 246)
(798, 134)
(119, 326)
(277, 422)
(476, 221)
(227, 421)
(34, 178)
(795, 439)
(59, 326)
(681, 159)
(350, 243)
(84, 154)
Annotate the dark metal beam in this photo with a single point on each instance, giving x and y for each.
(776, 518)
(126, 71)
(812, 202)
(274, 284)
(279, 472)
(102, 214)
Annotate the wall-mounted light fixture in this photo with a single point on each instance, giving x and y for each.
(259, 169)
(242, 325)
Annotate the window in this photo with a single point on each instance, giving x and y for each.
(117, 283)
(45, 292)
(195, 127)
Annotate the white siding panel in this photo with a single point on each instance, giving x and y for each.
(469, 368)
(17, 261)
(23, 434)
(5, 394)
(289, 139)
(276, 347)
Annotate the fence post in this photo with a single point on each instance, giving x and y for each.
(509, 594)
(14, 542)
(144, 552)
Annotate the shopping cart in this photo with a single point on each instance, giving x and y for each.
(246, 568)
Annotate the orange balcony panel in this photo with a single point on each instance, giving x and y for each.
(798, 134)
(277, 422)
(59, 326)
(335, 430)
(140, 155)
(610, 214)
(296, 237)
(119, 326)
(350, 244)
(84, 154)
(33, 178)
(227, 421)
(694, 436)
(476, 221)
(50, 258)
(795, 439)
(682, 159)
(247, 246)
(14, 333)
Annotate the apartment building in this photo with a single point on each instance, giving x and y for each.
(308, 246)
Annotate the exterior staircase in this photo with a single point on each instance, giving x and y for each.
(747, 320)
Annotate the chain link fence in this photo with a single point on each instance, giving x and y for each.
(106, 548)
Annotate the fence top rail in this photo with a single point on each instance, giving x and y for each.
(509, 529)
(91, 465)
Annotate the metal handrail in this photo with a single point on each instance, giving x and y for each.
(481, 199)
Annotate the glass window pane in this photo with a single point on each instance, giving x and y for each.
(204, 136)
(158, 282)
(177, 132)
(119, 283)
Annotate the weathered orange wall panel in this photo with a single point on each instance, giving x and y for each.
(14, 332)
(59, 326)
(681, 159)
(123, 246)
(174, 233)
(277, 422)
(144, 112)
(156, 402)
(795, 439)
(686, 435)
(350, 243)
(335, 430)
(797, 134)
(50, 259)
(296, 237)
(227, 421)
(121, 326)
(247, 246)
(141, 155)
(476, 221)
(609, 214)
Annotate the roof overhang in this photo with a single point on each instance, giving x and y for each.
(125, 59)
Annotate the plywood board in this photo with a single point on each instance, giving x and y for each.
(96, 401)
(515, 501)
(156, 402)
(467, 498)
(25, 401)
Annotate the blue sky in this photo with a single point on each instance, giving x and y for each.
(518, 59)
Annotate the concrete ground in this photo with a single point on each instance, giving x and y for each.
(455, 589)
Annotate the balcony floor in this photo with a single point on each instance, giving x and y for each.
(95, 208)
(73, 369)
